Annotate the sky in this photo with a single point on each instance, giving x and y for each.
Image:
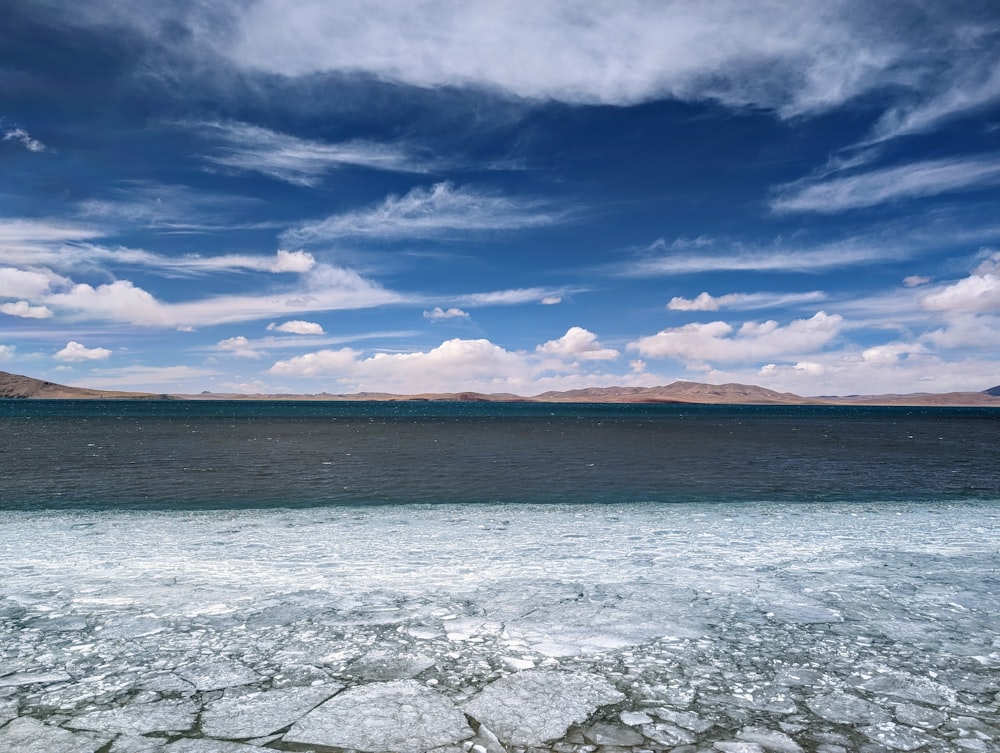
(283, 196)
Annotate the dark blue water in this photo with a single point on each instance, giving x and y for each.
(93, 454)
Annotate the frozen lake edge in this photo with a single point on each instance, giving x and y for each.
(737, 628)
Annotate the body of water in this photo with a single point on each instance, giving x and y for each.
(230, 577)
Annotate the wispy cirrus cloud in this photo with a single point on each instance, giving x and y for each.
(914, 180)
(682, 257)
(440, 211)
(171, 209)
(513, 297)
(968, 84)
(302, 162)
(743, 301)
(22, 137)
(794, 58)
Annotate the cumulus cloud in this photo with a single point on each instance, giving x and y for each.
(299, 161)
(926, 178)
(720, 341)
(437, 313)
(706, 302)
(22, 137)
(75, 351)
(7, 352)
(297, 327)
(27, 283)
(913, 281)
(459, 365)
(441, 211)
(25, 310)
(239, 346)
(578, 343)
(977, 293)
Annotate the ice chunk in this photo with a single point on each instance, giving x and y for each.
(913, 715)
(896, 737)
(215, 675)
(402, 716)
(668, 734)
(844, 708)
(33, 678)
(191, 745)
(383, 665)
(912, 688)
(635, 718)
(534, 706)
(685, 719)
(612, 734)
(27, 735)
(168, 715)
(734, 746)
(246, 715)
(770, 740)
(8, 710)
(137, 744)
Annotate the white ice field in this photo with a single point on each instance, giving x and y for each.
(732, 628)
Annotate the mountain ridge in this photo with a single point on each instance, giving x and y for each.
(16, 386)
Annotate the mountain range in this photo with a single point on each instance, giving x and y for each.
(24, 387)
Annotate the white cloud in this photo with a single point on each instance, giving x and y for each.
(27, 283)
(792, 57)
(437, 313)
(453, 366)
(926, 178)
(300, 161)
(22, 137)
(118, 301)
(511, 297)
(7, 352)
(744, 301)
(971, 85)
(324, 288)
(977, 293)
(297, 327)
(685, 256)
(75, 351)
(967, 332)
(239, 346)
(25, 310)
(720, 341)
(443, 210)
(578, 343)
(15, 231)
(913, 281)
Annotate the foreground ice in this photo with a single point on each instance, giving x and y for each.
(475, 629)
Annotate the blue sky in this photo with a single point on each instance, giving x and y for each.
(275, 196)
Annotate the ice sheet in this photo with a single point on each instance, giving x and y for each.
(774, 627)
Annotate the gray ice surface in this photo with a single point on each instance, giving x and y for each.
(242, 715)
(402, 715)
(485, 629)
(534, 706)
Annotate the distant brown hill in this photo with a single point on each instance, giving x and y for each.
(16, 386)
